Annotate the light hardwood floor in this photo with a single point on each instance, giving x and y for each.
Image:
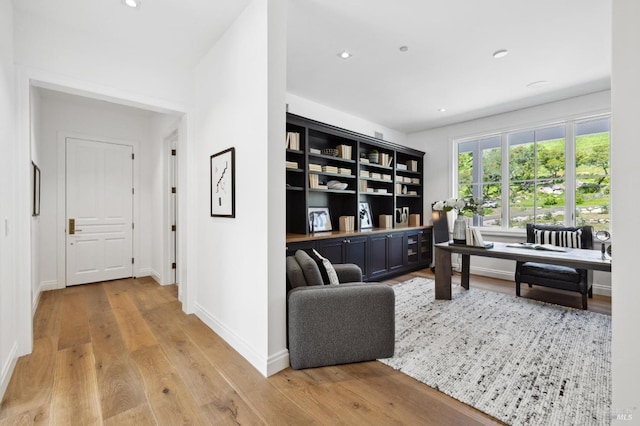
(123, 352)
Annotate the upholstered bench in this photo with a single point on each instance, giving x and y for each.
(330, 324)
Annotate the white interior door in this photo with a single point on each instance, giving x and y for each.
(99, 197)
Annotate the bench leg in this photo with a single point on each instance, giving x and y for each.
(591, 292)
(584, 301)
(518, 288)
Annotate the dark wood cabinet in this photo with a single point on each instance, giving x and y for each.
(345, 250)
(387, 254)
(380, 254)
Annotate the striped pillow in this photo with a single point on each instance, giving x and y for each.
(571, 239)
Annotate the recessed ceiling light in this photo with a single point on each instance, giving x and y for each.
(442, 110)
(404, 48)
(536, 84)
(500, 53)
(132, 3)
(345, 55)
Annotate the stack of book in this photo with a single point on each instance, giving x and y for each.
(315, 167)
(293, 140)
(330, 169)
(364, 173)
(375, 175)
(291, 164)
(347, 223)
(412, 165)
(344, 171)
(381, 190)
(401, 167)
(344, 151)
(363, 186)
(386, 177)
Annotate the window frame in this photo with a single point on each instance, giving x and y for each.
(570, 123)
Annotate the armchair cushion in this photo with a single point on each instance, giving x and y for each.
(555, 272)
(325, 267)
(309, 268)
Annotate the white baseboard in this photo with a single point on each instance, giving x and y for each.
(278, 362)
(44, 286)
(144, 272)
(600, 289)
(266, 367)
(7, 369)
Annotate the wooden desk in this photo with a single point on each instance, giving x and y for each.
(575, 258)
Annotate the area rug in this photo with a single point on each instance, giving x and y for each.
(520, 361)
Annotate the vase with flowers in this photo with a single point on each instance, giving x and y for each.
(463, 207)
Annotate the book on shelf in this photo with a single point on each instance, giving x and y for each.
(293, 140)
(344, 151)
(344, 171)
(314, 181)
(315, 167)
(347, 223)
(536, 246)
(364, 173)
(291, 164)
(330, 169)
(364, 186)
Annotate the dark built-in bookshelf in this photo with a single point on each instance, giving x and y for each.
(392, 186)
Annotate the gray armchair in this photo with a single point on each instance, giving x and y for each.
(555, 276)
(336, 324)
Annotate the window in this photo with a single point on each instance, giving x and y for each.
(556, 174)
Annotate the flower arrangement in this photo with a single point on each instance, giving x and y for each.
(461, 205)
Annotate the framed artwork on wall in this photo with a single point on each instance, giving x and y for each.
(366, 220)
(35, 199)
(223, 183)
(319, 219)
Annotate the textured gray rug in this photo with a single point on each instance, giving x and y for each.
(520, 361)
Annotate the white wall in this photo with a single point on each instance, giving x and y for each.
(239, 282)
(9, 317)
(61, 114)
(625, 92)
(325, 114)
(438, 174)
(65, 51)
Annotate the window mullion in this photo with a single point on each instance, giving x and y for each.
(506, 188)
(570, 174)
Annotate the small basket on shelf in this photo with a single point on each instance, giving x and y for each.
(330, 151)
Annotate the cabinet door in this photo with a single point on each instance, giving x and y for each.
(377, 255)
(397, 248)
(355, 251)
(425, 244)
(413, 247)
(331, 249)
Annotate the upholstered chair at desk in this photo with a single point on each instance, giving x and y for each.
(555, 276)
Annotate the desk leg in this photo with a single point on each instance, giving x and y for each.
(443, 274)
(464, 280)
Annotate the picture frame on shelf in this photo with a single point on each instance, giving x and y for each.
(223, 183)
(319, 219)
(366, 219)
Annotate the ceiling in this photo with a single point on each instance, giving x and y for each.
(448, 63)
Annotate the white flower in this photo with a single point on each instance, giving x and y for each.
(439, 205)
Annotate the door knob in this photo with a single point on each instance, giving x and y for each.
(72, 226)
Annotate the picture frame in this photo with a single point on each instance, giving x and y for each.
(35, 199)
(223, 183)
(366, 220)
(319, 219)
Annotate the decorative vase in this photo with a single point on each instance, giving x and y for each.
(460, 230)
